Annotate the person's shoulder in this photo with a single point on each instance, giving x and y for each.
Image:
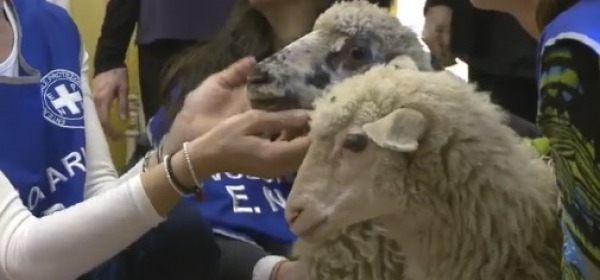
(42, 17)
(570, 53)
(43, 12)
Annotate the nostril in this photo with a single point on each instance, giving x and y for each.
(259, 76)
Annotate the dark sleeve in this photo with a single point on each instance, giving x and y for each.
(570, 106)
(119, 22)
(570, 92)
(238, 258)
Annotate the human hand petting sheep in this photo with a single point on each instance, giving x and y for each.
(220, 96)
(219, 111)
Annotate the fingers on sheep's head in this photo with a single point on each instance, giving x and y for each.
(348, 39)
(289, 79)
(353, 169)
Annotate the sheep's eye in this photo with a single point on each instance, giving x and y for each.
(358, 53)
(356, 142)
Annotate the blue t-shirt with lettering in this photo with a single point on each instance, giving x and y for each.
(239, 206)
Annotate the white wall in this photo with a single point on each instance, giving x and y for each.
(410, 13)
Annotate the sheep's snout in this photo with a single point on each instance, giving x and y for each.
(259, 77)
(307, 218)
(292, 213)
(307, 223)
(265, 92)
(297, 212)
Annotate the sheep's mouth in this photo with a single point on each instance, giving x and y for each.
(262, 98)
(314, 232)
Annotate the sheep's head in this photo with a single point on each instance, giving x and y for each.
(347, 39)
(376, 145)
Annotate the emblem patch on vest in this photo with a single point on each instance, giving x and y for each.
(62, 98)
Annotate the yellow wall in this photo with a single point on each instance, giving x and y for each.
(394, 7)
(88, 15)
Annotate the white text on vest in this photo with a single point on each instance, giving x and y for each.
(70, 164)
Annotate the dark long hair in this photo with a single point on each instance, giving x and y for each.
(246, 33)
(548, 10)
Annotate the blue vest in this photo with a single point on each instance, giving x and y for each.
(580, 23)
(42, 140)
(239, 206)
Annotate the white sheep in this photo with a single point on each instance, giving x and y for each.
(347, 39)
(361, 251)
(426, 158)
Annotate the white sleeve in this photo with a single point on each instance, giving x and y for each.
(101, 173)
(68, 243)
(264, 267)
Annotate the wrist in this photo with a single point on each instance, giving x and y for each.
(169, 145)
(158, 189)
(150, 160)
(106, 66)
(267, 267)
(181, 170)
(278, 270)
(206, 157)
(173, 140)
(200, 161)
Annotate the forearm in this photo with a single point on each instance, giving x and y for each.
(71, 242)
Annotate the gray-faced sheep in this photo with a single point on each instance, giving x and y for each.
(429, 160)
(347, 39)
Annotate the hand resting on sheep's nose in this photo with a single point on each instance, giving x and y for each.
(286, 135)
(259, 77)
(276, 103)
(265, 95)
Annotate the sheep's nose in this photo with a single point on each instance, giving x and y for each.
(292, 213)
(259, 76)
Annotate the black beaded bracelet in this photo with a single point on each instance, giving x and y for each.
(175, 183)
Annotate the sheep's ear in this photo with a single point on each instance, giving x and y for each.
(400, 130)
(403, 62)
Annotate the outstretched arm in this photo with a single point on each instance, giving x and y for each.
(68, 243)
